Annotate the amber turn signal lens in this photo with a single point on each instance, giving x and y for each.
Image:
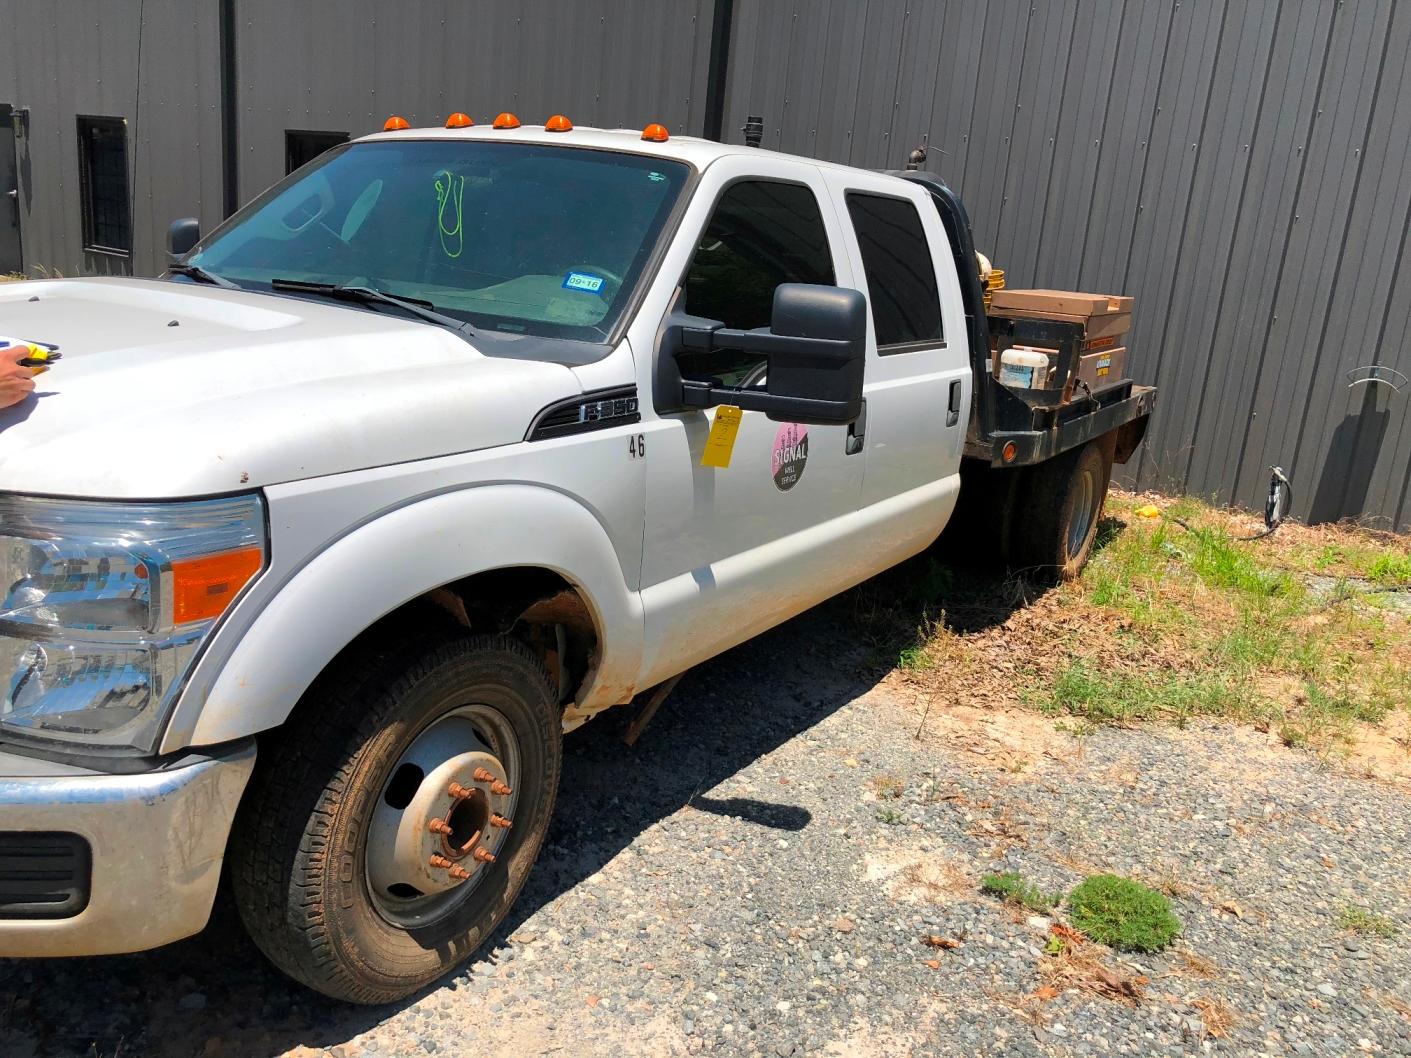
(459, 121)
(656, 133)
(1009, 451)
(395, 124)
(506, 121)
(558, 123)
(202, 588)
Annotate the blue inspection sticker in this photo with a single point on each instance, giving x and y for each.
(587, 283)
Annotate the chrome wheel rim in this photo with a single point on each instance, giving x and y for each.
(1082, 515)
(442, 816)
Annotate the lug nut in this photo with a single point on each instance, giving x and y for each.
(500, 788)
(459, 873)
(500, 821)
(480, 854)
(459, 792)
(439, 826)
(440, 861)
(483, 775)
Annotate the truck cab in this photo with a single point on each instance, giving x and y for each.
(316, 546)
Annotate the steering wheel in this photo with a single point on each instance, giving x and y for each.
(606, 273)
(324, 194)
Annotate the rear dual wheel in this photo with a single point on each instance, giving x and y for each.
(1057, 513)
(392, 825)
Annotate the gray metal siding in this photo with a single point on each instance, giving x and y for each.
(345, 65)
(1243, 167)
(63, 58)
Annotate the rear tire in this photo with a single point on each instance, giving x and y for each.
(307, 850)
(1058, 512)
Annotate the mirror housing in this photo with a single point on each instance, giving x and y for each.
(815, 347)
(182, 236)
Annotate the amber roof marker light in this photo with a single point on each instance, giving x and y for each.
(655, 133)
(395, 123)
(558, 123)
(459, 120)
(506, 121)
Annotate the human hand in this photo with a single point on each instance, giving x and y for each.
(16, 380)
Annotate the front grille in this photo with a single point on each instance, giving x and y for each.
(43, 874)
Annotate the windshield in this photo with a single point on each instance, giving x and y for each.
(513, 237)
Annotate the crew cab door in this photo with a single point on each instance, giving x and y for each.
(918, 377)
(733, 550)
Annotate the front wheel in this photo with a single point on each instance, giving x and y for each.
(1057, 514)
(393, 824)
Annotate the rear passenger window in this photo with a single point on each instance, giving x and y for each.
(762, 233)
(901, 277)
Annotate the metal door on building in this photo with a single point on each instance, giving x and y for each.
(11, 259)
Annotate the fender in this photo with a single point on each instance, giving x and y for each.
(366, 574)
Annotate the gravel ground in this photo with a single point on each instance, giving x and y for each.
(742, 882)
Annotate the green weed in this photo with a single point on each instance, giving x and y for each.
(1220, 562)
(1013, 888)
(1119, 697)
(914, 658)
(1122, 914)
(1391, 571)
(1359, 920)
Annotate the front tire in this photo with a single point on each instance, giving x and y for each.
(334, 856)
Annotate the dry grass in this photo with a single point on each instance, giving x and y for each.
(1189, 964)
(1217, 1016)
(932, 882)
(889, 787)
(1071, 962)
(1389, 1000)
(1174, 623)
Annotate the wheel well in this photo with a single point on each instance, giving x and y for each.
(537, 606)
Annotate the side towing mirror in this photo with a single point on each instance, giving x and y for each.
(815, 347)
(182, 235)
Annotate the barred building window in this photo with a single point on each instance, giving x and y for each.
(103, 190)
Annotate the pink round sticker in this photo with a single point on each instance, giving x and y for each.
(790, 455)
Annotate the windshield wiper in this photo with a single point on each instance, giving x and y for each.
(199, 274)
(371, 296)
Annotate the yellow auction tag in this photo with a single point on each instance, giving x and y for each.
(721, 442)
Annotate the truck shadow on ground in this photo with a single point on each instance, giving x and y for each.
(215, 995)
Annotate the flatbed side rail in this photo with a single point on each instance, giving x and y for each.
(1127, 405)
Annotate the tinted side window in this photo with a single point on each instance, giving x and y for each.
(901, 277)
(762, 233)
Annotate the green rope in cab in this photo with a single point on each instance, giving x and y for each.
(449, 187)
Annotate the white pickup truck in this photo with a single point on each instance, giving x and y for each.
(313, 548)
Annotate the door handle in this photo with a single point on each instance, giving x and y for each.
(14, 193)
(953, 408)
(857, 429)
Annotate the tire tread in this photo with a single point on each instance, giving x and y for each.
(277, 852)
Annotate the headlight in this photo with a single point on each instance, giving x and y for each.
(103, 607)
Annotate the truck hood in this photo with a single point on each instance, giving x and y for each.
(170, 389)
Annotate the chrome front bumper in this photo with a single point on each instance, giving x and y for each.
(157, 840)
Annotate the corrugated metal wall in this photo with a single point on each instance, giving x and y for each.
(344, 65)
(1240, 166)
(63, 58)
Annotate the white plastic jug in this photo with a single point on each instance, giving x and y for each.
(1023, 368)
